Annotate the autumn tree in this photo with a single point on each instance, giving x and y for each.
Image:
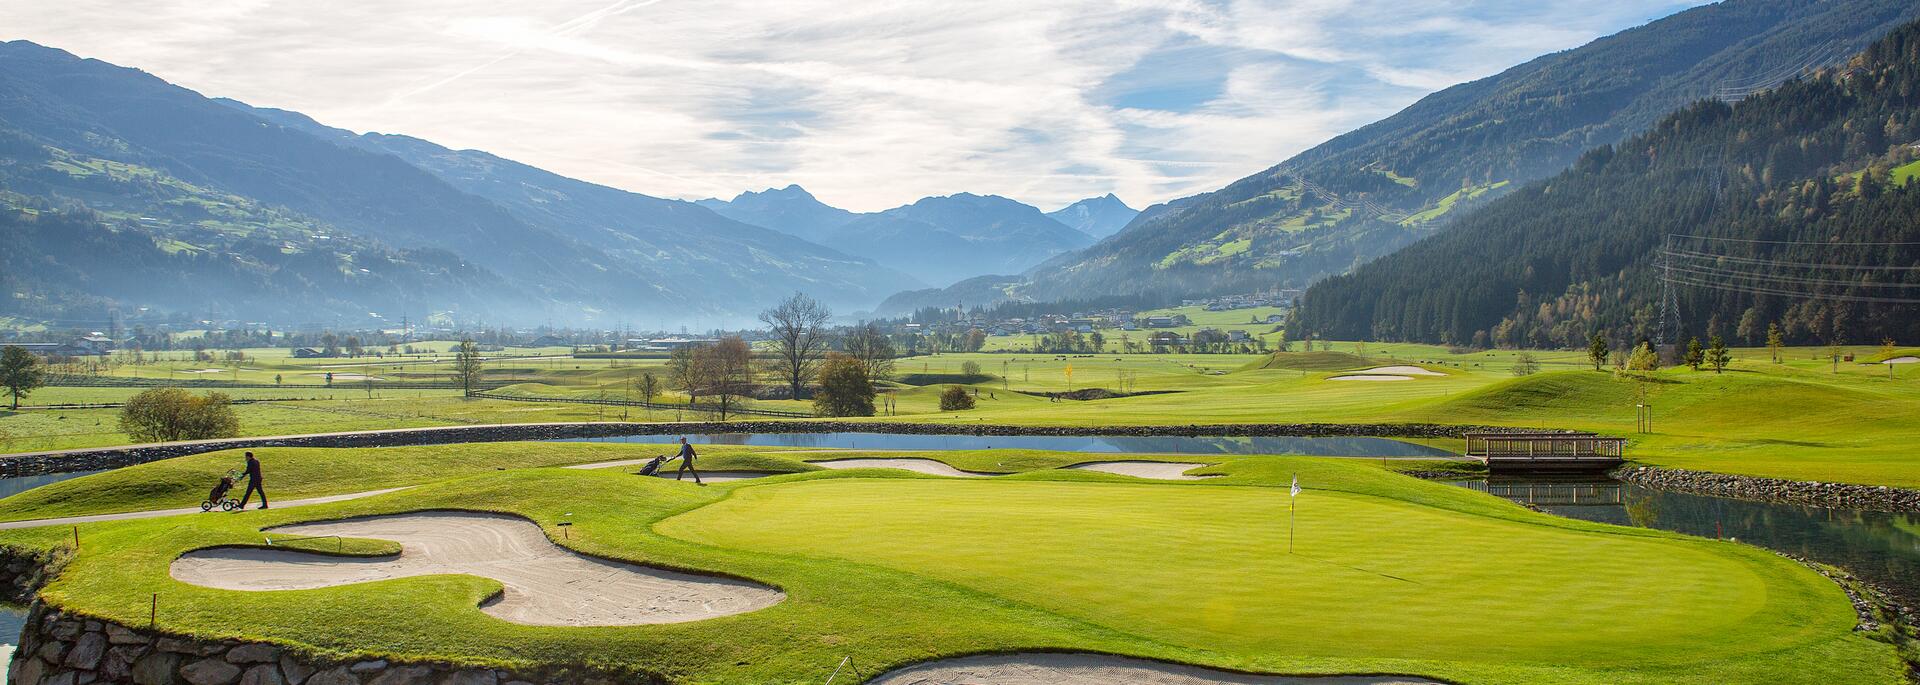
(1775, 341)
(845, 389)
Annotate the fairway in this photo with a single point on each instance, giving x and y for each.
(1208, 568)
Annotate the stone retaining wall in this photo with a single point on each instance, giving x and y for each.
(114, 457)
(61, 649)
(1814, 493)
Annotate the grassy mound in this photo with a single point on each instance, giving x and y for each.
(1387, 574)
(1311, 361)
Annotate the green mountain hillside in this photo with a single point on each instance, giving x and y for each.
(1383, 186)
(1783, 208)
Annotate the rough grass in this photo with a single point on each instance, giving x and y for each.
(1389, 574)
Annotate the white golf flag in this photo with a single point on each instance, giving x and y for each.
(1296, 486)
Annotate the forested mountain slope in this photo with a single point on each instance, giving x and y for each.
(1378, 188)
(1782, 207)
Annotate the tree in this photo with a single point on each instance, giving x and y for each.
(1695, 354)
(874, 350)
(976, 340)
(1098, 341)
(21, 372)
(1597, 351)
(686, 373)
(800, 338)
(845, 389)
(649, 387)
(955, 398)
(1775, 341)
(1644, 358)
(970, 369)
(1524, 364)
(729, 364)
(1749, 327)
(169, 414)
(466, 365)
(1717, 355)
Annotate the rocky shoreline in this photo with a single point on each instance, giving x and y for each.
(1812, 493)
(30, 464)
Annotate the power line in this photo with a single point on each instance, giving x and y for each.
(1708, 272)
(1800, 265)
(1755, 290)
(1788, 242)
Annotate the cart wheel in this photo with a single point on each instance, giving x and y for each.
(206, 506)
(227, 505)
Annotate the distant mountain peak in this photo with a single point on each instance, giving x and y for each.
(1096, 216)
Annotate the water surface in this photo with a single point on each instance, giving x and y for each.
(1296, 446)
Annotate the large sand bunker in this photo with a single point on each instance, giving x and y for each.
(926, 466)
(1095, 669)
(1160, 470)
(1370, 377)
(545, 584)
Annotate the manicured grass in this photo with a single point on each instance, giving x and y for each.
(1389, 574)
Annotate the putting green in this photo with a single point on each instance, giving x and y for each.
(1208, 568)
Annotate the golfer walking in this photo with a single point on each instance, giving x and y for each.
(253, 483)
(686, 464)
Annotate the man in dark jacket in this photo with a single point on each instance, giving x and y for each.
(686, 463)
(253, 483)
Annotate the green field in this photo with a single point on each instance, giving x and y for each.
(1386, 574)
(1804, 419)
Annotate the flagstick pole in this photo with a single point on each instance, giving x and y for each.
(1290, 524)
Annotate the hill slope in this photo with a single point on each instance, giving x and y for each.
(1383, 186)
(224, 182)
(1781, 208)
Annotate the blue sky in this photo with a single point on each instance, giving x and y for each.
(868, 105)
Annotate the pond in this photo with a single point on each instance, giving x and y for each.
(1880, 547)
(13, 618)
(1298, 446)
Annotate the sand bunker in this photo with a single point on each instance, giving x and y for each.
(1398, 371)
(1095, 669)
(1371, 377)
(926, 466)
(203, 371)
(1902, 360)
(545, 584)
(1160, 470)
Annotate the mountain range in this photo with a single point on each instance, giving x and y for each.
(301, 217)
(1379, 188)
(1096, 216)
(939, 240)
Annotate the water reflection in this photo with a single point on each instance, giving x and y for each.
(1301, 446)
(1881, 547)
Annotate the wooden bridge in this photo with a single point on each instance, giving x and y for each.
(1554, 452)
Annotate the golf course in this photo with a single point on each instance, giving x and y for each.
(824, 555)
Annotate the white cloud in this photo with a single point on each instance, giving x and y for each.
(869, 105)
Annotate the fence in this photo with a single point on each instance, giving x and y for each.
(706, 408)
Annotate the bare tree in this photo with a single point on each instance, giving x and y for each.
(686, 373)
(729, 364)
(874, 350)
(800, 338)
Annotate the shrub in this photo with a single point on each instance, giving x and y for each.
(955, 399)
(169, 414)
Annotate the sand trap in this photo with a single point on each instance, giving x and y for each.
(545, 584)
(1371, 377)
(1902, 360)
(204, 371)
(1398, 371)
(1095, 669)
(926, 466)
(349, 377)
(1159, 470)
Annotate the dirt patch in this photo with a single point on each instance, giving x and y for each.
(544, 583)
(1097, 669)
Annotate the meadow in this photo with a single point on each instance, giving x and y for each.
(1383, 573)
(1804, 418)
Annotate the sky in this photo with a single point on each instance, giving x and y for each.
(867, 105)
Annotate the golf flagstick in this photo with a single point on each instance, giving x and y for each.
(1292, 494)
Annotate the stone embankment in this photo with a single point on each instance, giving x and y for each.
(36, 463)
(1813, 493)
(61, 649)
